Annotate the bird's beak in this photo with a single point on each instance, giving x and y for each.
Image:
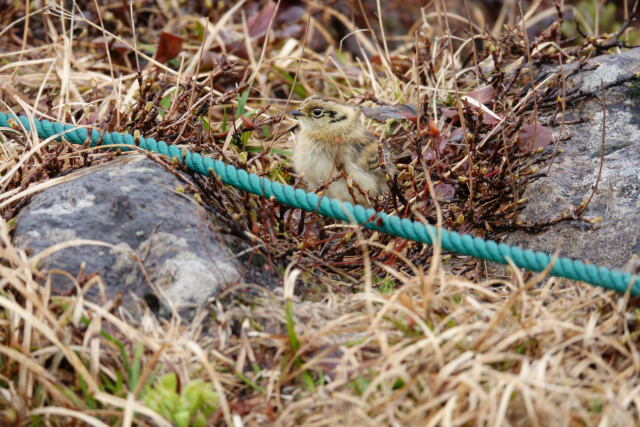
(296, 113)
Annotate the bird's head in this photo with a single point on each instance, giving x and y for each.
(326, 116)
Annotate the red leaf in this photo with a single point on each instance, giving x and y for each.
(291, 14)
(398, 63)
(457, 135)
(483, 95)
(436, 148)
(209, 60)
(543, 137)
(399, 111)
(444, 191)
(169, 46)
(449, 112)
(433, 128)
(488, 119)
(259, 23)
(492, 173)
(429, 154)
(119, 47)
(248, 124)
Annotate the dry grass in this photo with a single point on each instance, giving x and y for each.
(378, 331)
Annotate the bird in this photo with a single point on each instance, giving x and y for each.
(333, 144)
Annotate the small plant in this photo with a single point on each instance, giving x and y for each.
(191, 407)
(385, 285)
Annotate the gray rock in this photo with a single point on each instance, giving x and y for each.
(161, 242)
(613, 241)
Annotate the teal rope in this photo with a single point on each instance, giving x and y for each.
(405, 228)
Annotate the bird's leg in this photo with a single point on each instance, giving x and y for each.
(327, 183)
(351, 184)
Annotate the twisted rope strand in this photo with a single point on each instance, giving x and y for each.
(343, 211)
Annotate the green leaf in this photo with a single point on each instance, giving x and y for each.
(165, 104)
(266, 131)
(342, 59)
(359, 385)
(147, 48)
(298, 89)
(244, 138)
(169, 382)
(68, 392)
(199, 421)
(181, 419)
(385, 284)
(199, 31)
(290, 325)
(135, 366)
(195, 404)
(242, 102)
(205, 123)
(259, 149)
(307, 381)
(89, 400)
(406, 329)
(225, 125)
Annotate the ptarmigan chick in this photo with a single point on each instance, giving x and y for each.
(333, 139)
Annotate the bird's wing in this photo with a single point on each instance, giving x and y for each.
(365, 153)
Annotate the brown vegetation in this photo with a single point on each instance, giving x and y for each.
(380, 330)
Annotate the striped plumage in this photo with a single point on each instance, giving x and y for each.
(332, 138)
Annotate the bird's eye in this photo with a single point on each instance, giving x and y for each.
(316, 112)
